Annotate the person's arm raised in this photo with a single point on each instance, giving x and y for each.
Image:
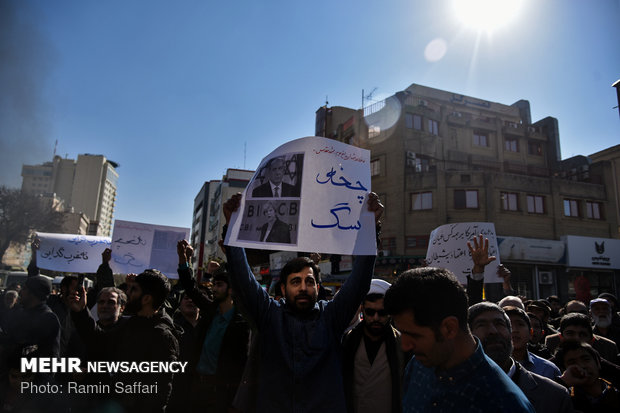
(479, 251)
(253, 297)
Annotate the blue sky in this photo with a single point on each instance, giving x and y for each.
(172, 91)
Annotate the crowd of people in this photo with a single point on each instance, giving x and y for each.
(423, 343)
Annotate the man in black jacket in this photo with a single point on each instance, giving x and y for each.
(373, 360)
(223, 339)
(149, 335)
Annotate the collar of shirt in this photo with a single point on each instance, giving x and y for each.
(228, 315)
(463, 370)
(512, 369)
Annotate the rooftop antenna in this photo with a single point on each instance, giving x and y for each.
(368, 96)
(55, 146)
(326, 101)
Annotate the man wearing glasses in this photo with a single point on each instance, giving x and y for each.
(373, 361)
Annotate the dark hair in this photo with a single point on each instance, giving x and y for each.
(553, 298)
(575, 319)
(122, 297)
(572, 302)
(221, 275)
(571, 345)
(155, 284)
(67, 280)
(373, 297)
(431, 293)
(533, 316)
(540, 304)
(510, 310)
(296, 265)
(483, 307)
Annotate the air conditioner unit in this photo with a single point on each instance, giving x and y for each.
(384, 253)
(457, 114)
(531, 129)
(423, 102)
(410, 155)
(545, 277)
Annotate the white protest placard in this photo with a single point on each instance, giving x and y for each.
(447, 248)
(137, 246)
(308, 195)
(70, 253)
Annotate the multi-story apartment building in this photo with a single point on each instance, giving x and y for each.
(208, 217)
(439, 157)
(87, 187)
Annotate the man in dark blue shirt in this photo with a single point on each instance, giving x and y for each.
(449, 371)
(299, 353)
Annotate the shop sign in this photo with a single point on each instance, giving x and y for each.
(589, 252)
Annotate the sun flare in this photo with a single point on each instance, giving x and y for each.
(487, 15)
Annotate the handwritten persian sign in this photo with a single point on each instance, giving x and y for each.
(70, 253)
(447, 248)
(308, 195)
(137, 246)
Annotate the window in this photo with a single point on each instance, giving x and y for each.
(388, 243)
(593, 210)
(535, 204)
(421, 201)
(511, 145)
(509, 201)
(465, 199)
(375, 167)
(433, 127)
(413, 121)
(373, 131)
(571, 208)
(419, 164)
(420, 241)
(534, 148)
(481, 139)
(417, 122)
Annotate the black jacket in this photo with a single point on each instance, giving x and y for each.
(234, 350)
(137, 339)
(396, 359)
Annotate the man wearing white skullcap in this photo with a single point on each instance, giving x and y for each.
(373, 361)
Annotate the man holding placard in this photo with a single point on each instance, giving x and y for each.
(299, 336)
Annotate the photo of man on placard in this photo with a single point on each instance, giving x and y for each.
(272, 179)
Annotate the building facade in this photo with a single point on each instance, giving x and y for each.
(87, 187)
(439, 157)
(208, 219)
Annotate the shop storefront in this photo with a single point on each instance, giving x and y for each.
(592, 267)
(573, 268)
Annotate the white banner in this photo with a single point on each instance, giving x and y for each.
(447, 248)
(137, 246)
(70, 253)
(331, 178)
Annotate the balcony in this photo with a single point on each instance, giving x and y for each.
(513, 129)
(483, 123)
(458, 119)
(534, 133)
